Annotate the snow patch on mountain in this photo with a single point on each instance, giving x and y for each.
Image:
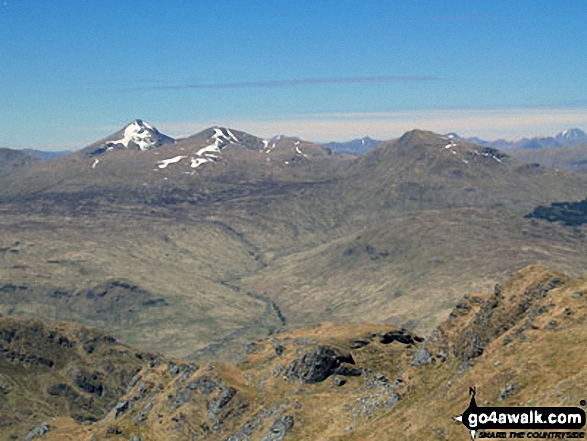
(213, 152)
(196, 162)
(164, 163)
(232, 135)
(268, 146)
(213, 148)
(220, 138)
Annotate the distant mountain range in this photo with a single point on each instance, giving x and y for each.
(356, 147)
(45, 155)
(564, 138)
(562, 158)
(140, 135)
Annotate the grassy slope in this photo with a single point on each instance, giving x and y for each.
(546, 367)
(412, 270)
(60, 261)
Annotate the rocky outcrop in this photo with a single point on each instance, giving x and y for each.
(224, 397)
(477, 321)
(318, 364)
(280, 428)
(401, 336)
(38, 432)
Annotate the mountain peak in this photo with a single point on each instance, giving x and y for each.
(137, 135)
(418, 135)
(219, 133)
(142, 134)
(571, 135)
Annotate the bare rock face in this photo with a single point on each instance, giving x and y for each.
(280, 428)
(319, 364)
(38, 432)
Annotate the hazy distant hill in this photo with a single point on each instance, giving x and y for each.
(46, 155)
(564, 138)
(13, 159)
(356, 147)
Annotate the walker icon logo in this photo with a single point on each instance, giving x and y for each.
(521, 418)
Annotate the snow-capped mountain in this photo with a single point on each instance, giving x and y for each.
(572, 135)
(136, 146)
(211, 145)
(138, 135)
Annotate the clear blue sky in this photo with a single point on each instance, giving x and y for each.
(73, 71)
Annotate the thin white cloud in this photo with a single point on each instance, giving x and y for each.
(293, 82)
(456, 18)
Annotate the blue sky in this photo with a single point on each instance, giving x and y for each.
(72, 72)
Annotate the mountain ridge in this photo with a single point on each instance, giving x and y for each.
(565, 138)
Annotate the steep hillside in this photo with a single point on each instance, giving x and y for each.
(50, 370)
(154, 281)
(519, 346)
